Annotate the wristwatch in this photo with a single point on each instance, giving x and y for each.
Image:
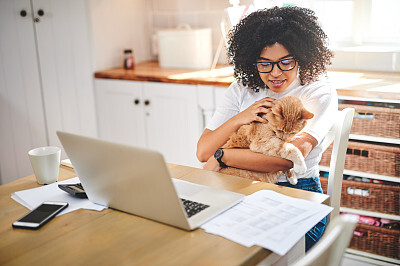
(218, 156)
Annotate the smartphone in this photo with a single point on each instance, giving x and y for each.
(41, 215)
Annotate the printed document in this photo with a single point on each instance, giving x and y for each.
(268, 219)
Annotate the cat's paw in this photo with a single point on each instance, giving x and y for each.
(300, 169)
(292, 180)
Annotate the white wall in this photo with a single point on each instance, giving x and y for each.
(370, 60)
(196, 13)
(118, 25)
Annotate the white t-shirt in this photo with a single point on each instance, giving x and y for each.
(318, 97)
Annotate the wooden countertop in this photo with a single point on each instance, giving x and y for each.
(363, 84)
(151, 71)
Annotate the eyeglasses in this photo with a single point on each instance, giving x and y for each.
(284, 65)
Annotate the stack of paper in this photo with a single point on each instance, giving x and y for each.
(31, 198)
(268, 219)
(67, 162)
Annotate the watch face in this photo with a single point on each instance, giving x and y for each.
(218, 153)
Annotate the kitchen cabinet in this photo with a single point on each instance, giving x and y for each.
(208, 98)
(159, 116)
(45, 78)
(120, 111)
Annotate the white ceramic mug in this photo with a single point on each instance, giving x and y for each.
(45, 163)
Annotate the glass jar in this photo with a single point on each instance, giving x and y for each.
(129, 63)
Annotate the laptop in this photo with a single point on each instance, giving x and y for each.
(137, 181)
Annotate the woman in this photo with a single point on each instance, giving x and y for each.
(275, 52)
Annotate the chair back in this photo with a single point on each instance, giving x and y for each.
(331, 247)
(339, 135)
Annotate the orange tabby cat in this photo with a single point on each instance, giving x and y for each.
(287, 117)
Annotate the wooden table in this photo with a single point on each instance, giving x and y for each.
(111, 237)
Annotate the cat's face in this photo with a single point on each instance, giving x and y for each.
(288, 116)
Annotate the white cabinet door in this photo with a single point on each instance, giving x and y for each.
(22, 120)
(46, 79)
(120, 111)
(63, 45)
(159, 116)
(173, 121)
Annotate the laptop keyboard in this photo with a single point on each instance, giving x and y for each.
(79, 185)
(192, 207)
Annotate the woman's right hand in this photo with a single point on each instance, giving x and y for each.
(211, 140)
(251, 114)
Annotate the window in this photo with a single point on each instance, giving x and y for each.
(384, 22)
(359, 31)
(357, 22)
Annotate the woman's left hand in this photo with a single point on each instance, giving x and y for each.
(212, 164)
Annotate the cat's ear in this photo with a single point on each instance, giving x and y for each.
(277, 109)
(306, 114)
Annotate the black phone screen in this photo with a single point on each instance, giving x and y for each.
(41, 213)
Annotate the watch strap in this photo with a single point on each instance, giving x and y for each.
(218, 156)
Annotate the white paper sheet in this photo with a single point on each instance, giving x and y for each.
(31, 198)
(67, 162)
(268, 219)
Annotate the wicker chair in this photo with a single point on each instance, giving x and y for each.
(339, 135)
(331, 247)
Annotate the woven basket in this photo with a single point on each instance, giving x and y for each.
(368, 196)
(370, 158)
(375, 121)
(377, 240)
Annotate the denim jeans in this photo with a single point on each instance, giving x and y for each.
(310, 184)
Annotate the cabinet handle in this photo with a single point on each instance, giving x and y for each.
(147, 102)
(136, 101)
(23, 13)
(40, 12)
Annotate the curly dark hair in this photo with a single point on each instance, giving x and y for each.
(296, 28)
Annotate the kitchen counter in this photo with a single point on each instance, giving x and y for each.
(151, 71)
(363, 84)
